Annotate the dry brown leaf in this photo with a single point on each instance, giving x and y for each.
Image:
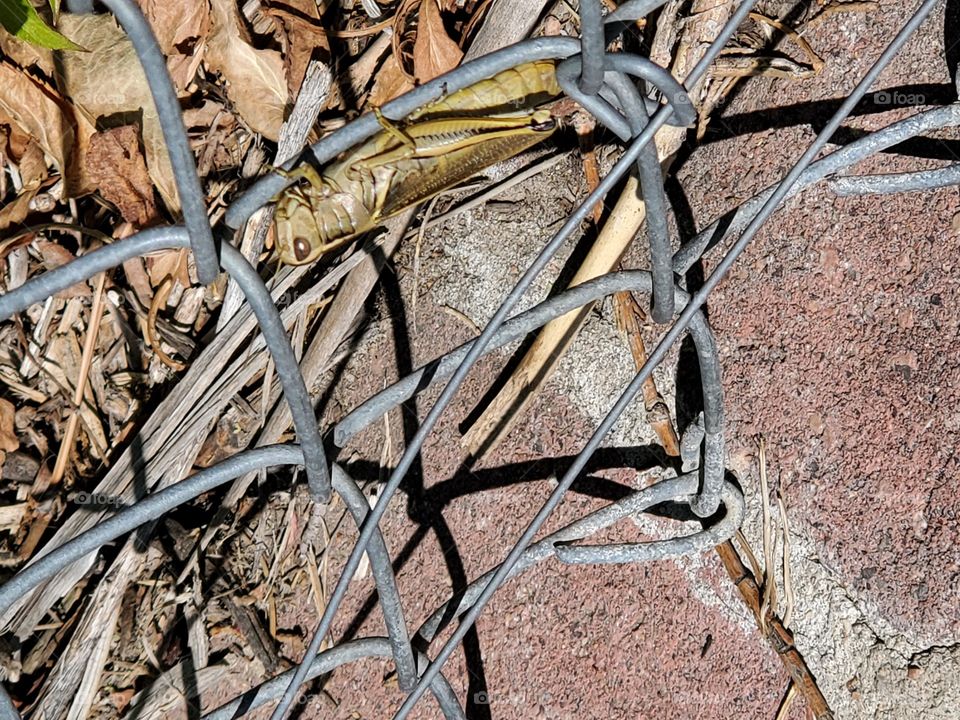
(8, 438)
(256, 83)
(391, 82)
(15, 211)
(120, 174)
(210, 115)
(181, 27)
(175, 22)
(434, 53)
(112, 56)
(15, 139)
(62, 360)
(41, 113)
(25, 54)
(33, 167)
(169, 262)
(137, 278)
(54, 256)
(303, 36)
(33, 171)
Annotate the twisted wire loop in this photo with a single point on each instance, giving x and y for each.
(601, 82)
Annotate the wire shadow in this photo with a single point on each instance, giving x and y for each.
(951, 40)
(467, 481)
(816, 114)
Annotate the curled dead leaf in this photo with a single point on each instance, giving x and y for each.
(172, 263)
(25, 54)
(33, 167)
(15, 212)
(303, 37)
(40, 112)
(181, 28)
(33, 171)
(256, 82)
(175, 22)
(391, 81)
(117, 167)
(82, 78)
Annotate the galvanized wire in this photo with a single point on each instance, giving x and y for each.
(891, 183)
(258, 297)
(189, 191)
(601, 82)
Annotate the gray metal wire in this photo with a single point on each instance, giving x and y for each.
(601, 82)
(892, 183)
(190, 193)
(257, 295)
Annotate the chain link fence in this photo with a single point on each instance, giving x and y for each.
(604, 83)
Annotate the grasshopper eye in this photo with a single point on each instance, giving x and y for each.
(301, 248)
(543, 125)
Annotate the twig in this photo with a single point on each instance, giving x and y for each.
(629, 314)
(462, 317)
(784, 712)
(415, 293)
(787, 577)
(779, 638)
(816, 62)
(769, 606)
(159, 300)
(555, 337)
(89, 344)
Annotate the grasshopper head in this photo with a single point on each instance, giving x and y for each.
(313, 220)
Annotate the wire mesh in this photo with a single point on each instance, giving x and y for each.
(604, 83)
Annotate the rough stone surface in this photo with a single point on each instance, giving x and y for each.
(837, 333)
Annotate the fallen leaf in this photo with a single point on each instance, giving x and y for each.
(175, 22)
(61, 362)
(24, 54)
(303, 38)
(54, 256)
(391, 82)
(15, 211)
(15, 141)
(256, 84)
(81, 77)
(181, 28)
(33, 167)
(137, 278)
(434, 53)
(33, 171)
(169, 262)
(40, 112)
(8, 438)
(120, 174)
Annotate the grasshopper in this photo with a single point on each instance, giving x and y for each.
(437, 147)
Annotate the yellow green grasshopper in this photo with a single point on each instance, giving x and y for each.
(435, 148)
